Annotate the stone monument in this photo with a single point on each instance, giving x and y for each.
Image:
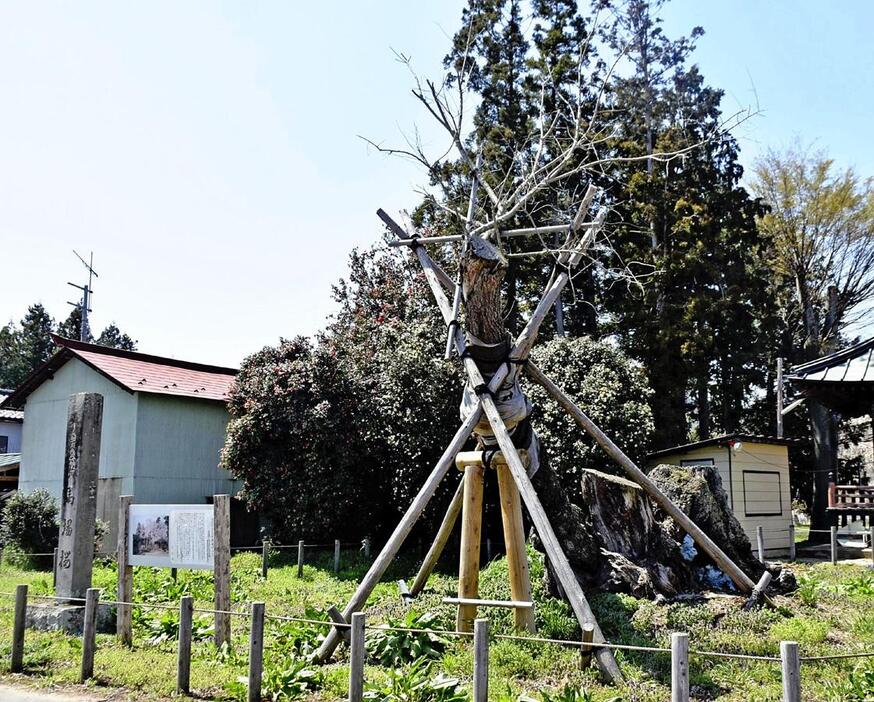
(78, 516)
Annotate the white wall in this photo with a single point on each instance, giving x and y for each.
(756, 481)
(179, 441)
(45, 429)
(11, 430)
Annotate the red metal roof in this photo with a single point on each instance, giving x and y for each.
(135, 372)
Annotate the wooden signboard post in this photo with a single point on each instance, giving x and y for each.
(175, 536)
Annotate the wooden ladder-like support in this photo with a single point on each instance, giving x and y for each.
(473, 466)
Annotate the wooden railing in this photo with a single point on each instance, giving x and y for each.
(850, 496)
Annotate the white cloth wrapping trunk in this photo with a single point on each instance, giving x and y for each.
(511, 402)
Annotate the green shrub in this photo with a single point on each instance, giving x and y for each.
(613, 391)
(416, 684)
(800, 629)
(393, 648)
(30, 523)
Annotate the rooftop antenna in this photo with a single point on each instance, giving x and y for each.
(85, 304)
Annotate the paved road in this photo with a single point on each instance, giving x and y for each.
(17, 694)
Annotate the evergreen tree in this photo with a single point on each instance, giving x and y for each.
(115, 338)
(35, 345)
(71, 327)
(689, 219)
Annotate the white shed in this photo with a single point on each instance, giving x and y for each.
(164, 424)
(755, 476)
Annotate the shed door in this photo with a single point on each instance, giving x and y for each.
(762, 493)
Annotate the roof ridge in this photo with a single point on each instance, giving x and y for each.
(824, 361)
(74, 345)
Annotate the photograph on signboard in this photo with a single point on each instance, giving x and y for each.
(171, 536)
(149, 529)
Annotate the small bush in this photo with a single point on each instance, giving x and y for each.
(415, 684)
(807, 631)
(396, 647)
(30, 523)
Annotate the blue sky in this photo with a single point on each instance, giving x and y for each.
(208, 152)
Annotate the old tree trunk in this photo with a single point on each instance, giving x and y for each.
(616, 540)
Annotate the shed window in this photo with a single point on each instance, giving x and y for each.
(697, 462)
(4, 444)
(762, 493)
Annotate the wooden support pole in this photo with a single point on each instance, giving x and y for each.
(124, 588)
(551, 545)
(89, 634)
(436, 277)
(443, 534)
(471, 529)
(740, 579)
(481, 660)
(183, 655)
(679, 667)
(356, 659)
(791, 542)
(336, 556)
(471, 214)
(17, 660)
(834, 544)
(521, 347)
(402, 530)
(586, 648)
(871, 542)
(790, 664)
(256, 652)
(300, 548)
(514, 541)
(265, 557)
(337, 617)
(222, 566)
(760, 542)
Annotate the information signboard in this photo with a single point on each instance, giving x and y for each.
(171, 536)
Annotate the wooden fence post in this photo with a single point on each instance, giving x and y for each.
(256, 651)
(183, 658)
(586, 648)
(480, 660)
(679, 667)
(760, 541)
(124, 590)
(336, 556)
(265, 556)
(366, 545)
(791, 542)
(222, 566)
(18, 629)
(89, 633)
(300, 546)
(834, 545)
(356, 658)
(791, 677)
(871, 541)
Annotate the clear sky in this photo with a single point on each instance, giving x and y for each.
(208, 152)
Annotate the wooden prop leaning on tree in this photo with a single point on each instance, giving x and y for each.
(486, 403)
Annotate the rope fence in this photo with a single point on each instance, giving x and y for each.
(355, 632)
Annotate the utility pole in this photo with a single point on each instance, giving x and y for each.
(87, 291)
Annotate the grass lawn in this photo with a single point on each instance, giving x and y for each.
(832, 612)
